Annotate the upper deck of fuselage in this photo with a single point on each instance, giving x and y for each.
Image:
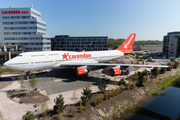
(54, 53)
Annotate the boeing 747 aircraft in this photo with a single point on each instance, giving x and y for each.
(82, 61)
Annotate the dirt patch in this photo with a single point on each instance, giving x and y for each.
(108, 109)
(5, 82)
(104, 110)
(26, 96)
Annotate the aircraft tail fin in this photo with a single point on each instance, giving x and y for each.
(126, 46)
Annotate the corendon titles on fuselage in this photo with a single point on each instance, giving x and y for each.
(67, 56)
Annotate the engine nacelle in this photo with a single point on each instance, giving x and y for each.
(114, 71)
(81, 71)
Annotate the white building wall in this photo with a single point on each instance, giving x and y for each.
(23, 26)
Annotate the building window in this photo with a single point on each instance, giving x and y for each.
(41, 24)
(41, 28)
(6, 17)
(36, 14)
(173, 36)
(172, 44)
(172, 40)
(25, 17)
(171, 52)
(172, 48)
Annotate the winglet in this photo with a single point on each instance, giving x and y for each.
(83, 51)
(173, 64)
(126, 46)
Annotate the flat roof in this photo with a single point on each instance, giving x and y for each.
(67, 36)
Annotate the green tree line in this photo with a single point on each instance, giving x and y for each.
(112, 42)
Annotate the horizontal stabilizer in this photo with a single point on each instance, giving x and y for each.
(173, 64)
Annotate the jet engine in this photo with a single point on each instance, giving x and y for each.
(81, 71)
(114, 71)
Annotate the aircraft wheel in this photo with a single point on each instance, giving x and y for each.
(27, 75)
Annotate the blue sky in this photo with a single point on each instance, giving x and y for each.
(149, 19)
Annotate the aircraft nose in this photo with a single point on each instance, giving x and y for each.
(5, 64)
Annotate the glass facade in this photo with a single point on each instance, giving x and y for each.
(66, 43)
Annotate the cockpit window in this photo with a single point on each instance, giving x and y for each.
(19, 55)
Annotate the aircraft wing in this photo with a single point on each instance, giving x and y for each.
(107, 64)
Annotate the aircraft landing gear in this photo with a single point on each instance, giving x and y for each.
(87, 72)
(27, 75)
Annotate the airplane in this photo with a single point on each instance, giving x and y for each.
(83, 61)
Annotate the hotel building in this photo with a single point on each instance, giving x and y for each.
(23, 27)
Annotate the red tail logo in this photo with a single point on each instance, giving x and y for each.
(127, 45)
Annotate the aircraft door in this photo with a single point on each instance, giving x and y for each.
(56, 61)
(32, 63)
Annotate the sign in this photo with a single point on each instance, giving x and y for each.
(67, 56)
(15, 12)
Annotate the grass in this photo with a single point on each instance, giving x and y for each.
(4, 70)
(85, 105)
(106, 95)
(150, 88)
(1, 116)
(81, 107)
(95, 102)
(73, 111)
(59, 115)
(159, 92)
(168, 81)
(148, 60)
(113, 92)
(109, 94)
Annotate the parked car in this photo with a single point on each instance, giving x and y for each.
(159, 54)
(151, 59)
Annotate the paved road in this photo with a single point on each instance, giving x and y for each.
(57, 81)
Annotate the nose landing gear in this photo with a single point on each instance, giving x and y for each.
(27, 75)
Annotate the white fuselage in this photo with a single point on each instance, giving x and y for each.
(53, 59)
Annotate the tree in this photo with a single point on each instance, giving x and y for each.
(137, 56)
(135, 77)
(21, 79)
(162, 70)
(176, 65)
(86, 94)
(142, 79)
(155, 71)
(102, 86)
(172, 60)
(59, 104)
(33, 81)
(169, 68)
(122, 82)
(144, 73)
(29, 116)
